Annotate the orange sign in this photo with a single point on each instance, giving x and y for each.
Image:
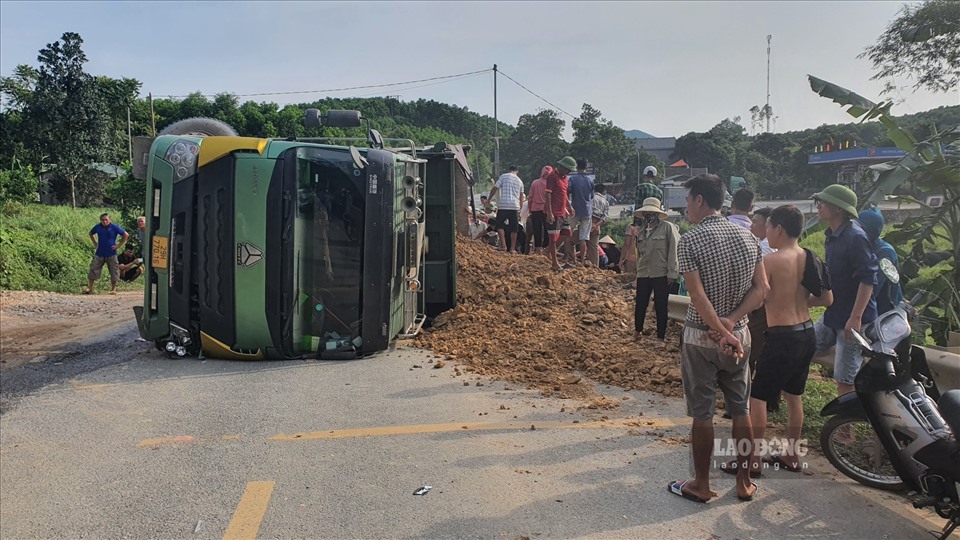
(158, 259)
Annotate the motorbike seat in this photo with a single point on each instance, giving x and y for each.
(949, 406)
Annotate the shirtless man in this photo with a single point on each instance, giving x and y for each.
(798, 280)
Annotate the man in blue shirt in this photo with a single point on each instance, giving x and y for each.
(581, 196)
(104, 238)
(853, 272)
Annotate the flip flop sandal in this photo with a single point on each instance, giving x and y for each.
(778, 461)
(750, 497)
(677, 489)
(731, 467)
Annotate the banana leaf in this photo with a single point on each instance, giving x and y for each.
(865, 110)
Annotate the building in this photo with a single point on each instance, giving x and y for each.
(661, 147)
(853, 164)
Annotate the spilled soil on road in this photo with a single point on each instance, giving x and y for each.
(516, 320)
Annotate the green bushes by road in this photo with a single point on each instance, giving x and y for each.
(47, 248)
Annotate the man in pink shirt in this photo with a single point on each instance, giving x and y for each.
(538, 204)
(557, 205)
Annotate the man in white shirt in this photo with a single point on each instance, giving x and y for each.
(758, 226)
(510, 188)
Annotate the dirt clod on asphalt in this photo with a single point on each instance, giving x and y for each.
(516, 320)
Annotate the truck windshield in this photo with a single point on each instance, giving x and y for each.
(328, 247)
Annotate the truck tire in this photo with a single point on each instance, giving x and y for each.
(202, 127)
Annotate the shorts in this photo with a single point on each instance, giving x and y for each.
(508, 220)
(784, 362)
(583, 224)
(96, 266)
(559, 228)
(704, 368)
(847, 357)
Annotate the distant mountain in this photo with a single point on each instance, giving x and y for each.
(637, 134)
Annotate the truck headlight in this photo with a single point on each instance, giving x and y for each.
(182, 154)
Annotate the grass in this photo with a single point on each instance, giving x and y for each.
(819, 391)
(47, 248)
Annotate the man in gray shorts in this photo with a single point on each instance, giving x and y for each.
(104, 238)
(724, 274)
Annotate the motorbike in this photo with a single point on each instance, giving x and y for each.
(891, 433)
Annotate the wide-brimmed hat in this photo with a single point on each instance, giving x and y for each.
(650, 204)
(606, 240)
(567, 163)
(840, 196)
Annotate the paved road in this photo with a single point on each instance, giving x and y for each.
(132, 444)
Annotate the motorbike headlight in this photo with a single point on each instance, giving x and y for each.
(182, 154)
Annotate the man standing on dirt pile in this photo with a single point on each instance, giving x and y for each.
(581, 195)
(104, 239)
(725, 277)
(601, 209)
(538, 205)
(508, 211)
(853, 272)
(557, 205)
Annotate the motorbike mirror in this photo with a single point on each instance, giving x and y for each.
(862, 341)
(890, 270)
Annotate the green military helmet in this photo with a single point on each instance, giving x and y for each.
(840, 196)
(568, 163)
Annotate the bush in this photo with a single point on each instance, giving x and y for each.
(47, 248)
(19, 185)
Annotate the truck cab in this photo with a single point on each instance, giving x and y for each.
(283, 248)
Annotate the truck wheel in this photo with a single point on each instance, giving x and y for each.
(202, 127)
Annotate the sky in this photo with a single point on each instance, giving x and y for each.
(666, 68)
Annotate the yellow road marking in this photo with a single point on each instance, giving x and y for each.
(165, 440)
(250, 510)
(160, 441)
(478, 426)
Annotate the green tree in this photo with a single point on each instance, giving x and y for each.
(601, 143)
(66, 117)
(536, 142)
(923, 42)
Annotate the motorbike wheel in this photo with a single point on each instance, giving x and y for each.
(854, 449)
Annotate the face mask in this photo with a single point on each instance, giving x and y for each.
(650, 218)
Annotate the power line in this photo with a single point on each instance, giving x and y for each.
(350, 87)
(535, 94)
(428, 84)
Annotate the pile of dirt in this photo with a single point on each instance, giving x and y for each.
(517, 320)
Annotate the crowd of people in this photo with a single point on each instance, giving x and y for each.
(748, 330)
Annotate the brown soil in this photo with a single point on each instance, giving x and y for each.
(516, 320)
(34, 325)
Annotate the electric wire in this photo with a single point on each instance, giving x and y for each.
(535, 94)
(428, 84)
(363, 87)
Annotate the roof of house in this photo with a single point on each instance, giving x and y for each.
(657, 143)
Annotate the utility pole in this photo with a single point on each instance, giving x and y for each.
(153, 119)
(767, 111)
(129, 136)
(496, 128)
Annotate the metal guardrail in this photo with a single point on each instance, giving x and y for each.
(944, 365)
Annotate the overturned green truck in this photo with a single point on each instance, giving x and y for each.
(285, 248)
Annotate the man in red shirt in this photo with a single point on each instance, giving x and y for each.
(557, 205)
